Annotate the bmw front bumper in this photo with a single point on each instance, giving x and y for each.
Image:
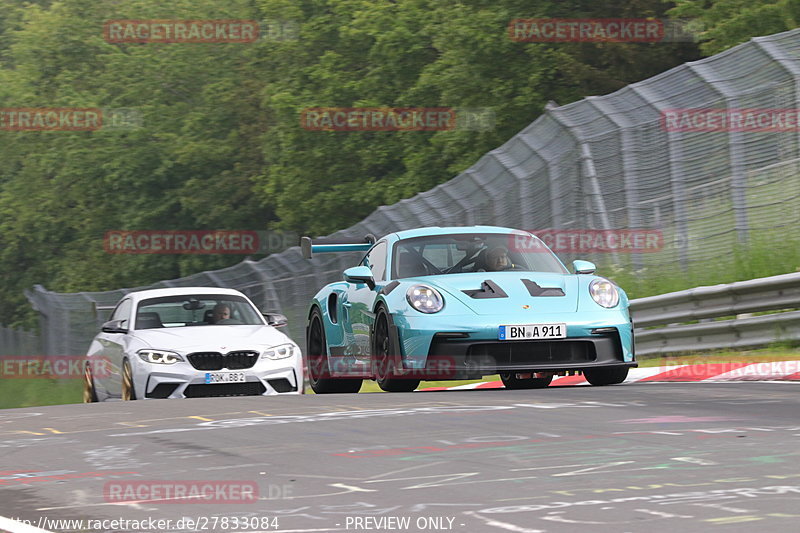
(181, 380)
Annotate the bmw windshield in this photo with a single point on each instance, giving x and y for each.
(196, 310)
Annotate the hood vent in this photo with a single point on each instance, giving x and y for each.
(489, 289)
(535, 290)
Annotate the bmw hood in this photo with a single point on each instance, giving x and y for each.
(211, 338)
(493, 293)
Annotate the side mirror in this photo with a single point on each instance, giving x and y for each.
(276, 320)
(360, 274)
(114, 326)
(583, 267)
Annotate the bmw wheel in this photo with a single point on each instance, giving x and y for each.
(89, 393)
(128, 392)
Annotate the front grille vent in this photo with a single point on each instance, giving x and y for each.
(237, 360)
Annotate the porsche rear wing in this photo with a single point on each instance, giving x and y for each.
(327, 245)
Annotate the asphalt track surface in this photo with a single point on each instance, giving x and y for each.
(635, 457)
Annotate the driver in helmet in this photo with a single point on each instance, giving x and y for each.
(497, 259)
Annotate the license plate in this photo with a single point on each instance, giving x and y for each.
(224, 377)
(532, 332)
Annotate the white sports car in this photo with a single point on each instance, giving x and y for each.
(191, 342)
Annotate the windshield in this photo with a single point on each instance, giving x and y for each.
(196, 310)
(472, 252)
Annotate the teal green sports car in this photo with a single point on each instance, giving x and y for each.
(463, 303)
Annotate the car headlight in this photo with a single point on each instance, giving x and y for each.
(425, 299)
(159, 357)
(604, 293)
(279, 352)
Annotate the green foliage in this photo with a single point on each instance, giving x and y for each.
(190, 167)
(765, 254)
(423, 54)
(222, 146)
(722, 24)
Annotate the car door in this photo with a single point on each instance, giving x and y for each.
(113, 350)
(359, 301)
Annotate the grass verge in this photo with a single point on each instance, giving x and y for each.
(761, 355)
(37, 392)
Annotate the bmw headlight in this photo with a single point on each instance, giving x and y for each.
(604, 293)
(279, 352)
(425, 299)
(159, 357)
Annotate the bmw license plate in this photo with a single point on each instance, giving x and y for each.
(532, 332)
(224, 377)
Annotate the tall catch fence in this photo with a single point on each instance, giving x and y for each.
(19, 342)
(606, 162)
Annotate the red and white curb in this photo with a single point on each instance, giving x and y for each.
(710, 372)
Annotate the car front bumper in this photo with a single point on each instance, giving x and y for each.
(467, 347)
(181, 380)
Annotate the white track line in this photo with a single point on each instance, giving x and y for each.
(465, 387)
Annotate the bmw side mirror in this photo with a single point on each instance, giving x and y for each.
(114, 326)
(360, 274)
(583, 267)
(276, 320)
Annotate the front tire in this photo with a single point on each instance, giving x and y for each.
(606, 375)
(89, 392)
(512, 382)
(318, 372)
(384, 360)
(128, 392)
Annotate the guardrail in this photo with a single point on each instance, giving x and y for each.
(664, 322)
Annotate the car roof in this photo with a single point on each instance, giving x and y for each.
(450, 230)
(179, 291)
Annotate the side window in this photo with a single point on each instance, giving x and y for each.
(376, 261)
(122, 312)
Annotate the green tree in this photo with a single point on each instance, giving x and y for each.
(722, 24)
(422, 53)
(221, 145)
